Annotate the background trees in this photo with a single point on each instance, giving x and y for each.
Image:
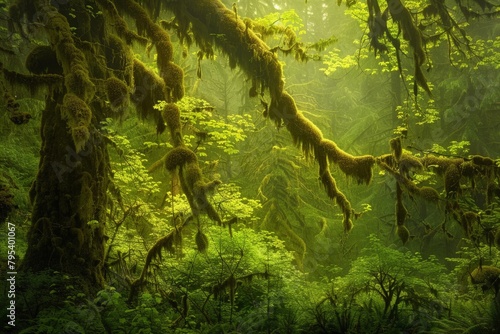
(167, 158)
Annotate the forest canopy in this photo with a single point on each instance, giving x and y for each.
(195, 165)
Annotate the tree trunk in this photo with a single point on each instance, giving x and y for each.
(69, 198)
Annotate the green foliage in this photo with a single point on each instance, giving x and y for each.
(118, 317)
(129, 171)
(385, 290)
(246, 280)
(204, 128)
(289, 19)
(266, 284)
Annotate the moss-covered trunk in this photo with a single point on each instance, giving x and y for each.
(69, 197)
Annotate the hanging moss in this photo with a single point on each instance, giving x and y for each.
(304, 133)
(117, 94)
(173, 76)
(329, 183)
(171, 115)
(452, 181)
(119, 58)
(396, 148)
(76, 111)
(359, 167)
(164, 50)
(148, 89)
(403, 181)
(178, 157)
(120, 25)
(345, 206)
(210, 20)
(440, 164)
(468, 169)
(407, 163)
(32, 82)
(429, 194)
(193, 175)
(283, 108)
(79, 83)
(80, 135)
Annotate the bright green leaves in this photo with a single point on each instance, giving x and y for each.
(205, 128)
(334, 61)
(130, 171)
(288, 19)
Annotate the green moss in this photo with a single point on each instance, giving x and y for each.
(359, 167)
(429, 194)
(407, 163)
(193, 175)
(80, 135)
(148, 89)
(75, 111)
(171, 115)
(329, 183)
(396, 147)
(304, 133)
(440, 164)
(487, 276)
(482, 161)
(119, 58)
(346, 208)
(117, 94)
(173, 76)
(164, 50)
(452, 181)
(33, 83)
(79, 83)
(178, 157)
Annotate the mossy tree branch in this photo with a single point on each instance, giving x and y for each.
(214, 24)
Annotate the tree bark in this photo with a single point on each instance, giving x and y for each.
(69, 192)
(69, 198)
